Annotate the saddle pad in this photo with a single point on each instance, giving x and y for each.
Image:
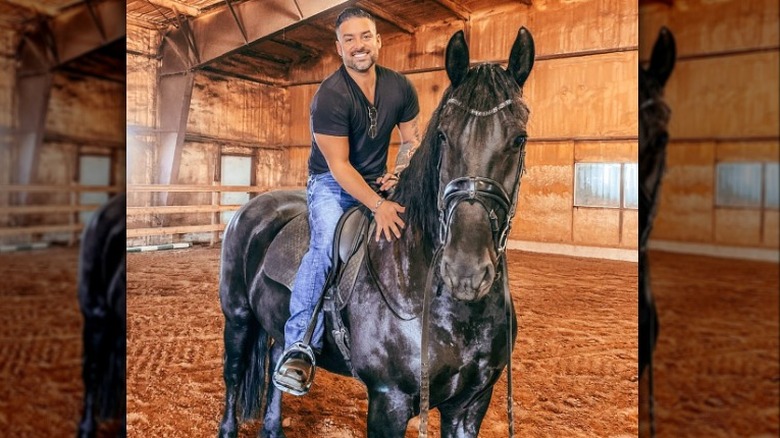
(286, 251)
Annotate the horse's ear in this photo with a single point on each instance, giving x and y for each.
(457, 58)
(663, 57)
(521, 58)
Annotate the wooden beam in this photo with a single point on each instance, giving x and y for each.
(460, 11)
(176, 209)
(295, 45)
(386, 15)
(201, 188)
(46, 209)
(41, 7)
(40, 229)
(177, 6)
(58, 188)
(144, 232)
(219, 72)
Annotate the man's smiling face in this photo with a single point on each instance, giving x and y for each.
(358, 43)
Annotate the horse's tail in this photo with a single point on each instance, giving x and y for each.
(251, 389)
(244, 247)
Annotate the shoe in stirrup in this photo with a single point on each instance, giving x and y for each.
(294, 373)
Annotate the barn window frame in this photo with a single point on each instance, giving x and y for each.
(225, 216)
(746, 185)
(619, 196)
(89, 197)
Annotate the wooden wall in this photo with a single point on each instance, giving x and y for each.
(724, 98)
(7, 46)
(86, 115)
(227, 117)
(582, 95)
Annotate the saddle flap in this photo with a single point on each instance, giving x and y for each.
(349, 231)
(286, 251)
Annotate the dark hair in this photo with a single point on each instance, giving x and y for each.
(348, 13)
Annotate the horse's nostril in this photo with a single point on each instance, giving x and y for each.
(484, 280)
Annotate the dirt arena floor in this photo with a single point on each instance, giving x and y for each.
(574, 364)
(40, 345)
(717, 361)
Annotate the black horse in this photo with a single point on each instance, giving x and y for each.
(653, 138)
(102, 301)
(460, 192)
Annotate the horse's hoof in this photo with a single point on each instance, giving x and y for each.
(86, 432)
(279, 433)
(227, 432)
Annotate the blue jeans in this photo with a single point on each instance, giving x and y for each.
(327, 202)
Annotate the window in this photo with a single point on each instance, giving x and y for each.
(631, 185)
(607, 185)
(236, 171)
(94, 170)
(771, 185)
(739, 185)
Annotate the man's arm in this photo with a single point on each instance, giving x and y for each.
(410, 141)
(336, 152)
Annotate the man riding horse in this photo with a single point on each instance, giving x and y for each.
(353, 115)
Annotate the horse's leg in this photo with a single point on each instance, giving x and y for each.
(238, 328)
(272, 422)
(458, 421)
(389, 412)
(93, 339)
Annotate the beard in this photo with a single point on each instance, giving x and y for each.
(363, 64)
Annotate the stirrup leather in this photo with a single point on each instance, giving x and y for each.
(296, 377)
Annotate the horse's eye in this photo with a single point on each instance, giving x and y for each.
(442, 138)
(520, 141)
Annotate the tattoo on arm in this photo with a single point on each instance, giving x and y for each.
(407, 149)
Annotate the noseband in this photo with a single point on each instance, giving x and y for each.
(482, 190)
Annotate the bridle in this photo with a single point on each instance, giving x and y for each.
(482, 190)
(489, 194)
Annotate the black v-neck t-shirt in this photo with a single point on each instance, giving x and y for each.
(340, 108)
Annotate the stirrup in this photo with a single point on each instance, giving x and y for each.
(297, 376)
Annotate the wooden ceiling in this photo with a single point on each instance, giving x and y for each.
(270, 58)
(22, 17)
(266, 59)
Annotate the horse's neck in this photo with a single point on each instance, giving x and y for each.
(404, 262)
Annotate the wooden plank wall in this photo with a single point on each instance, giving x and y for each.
(227, 116)
(142, 66)
(86, 115)
(7, 45)
(582, 95)
(724, 98)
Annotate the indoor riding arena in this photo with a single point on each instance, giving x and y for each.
(714, 249)
(218, 100)
(55, 171)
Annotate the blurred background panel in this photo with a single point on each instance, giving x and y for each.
(714, 246)
(218, 97)
(62, 156)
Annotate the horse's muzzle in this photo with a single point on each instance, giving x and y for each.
(467, 281)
